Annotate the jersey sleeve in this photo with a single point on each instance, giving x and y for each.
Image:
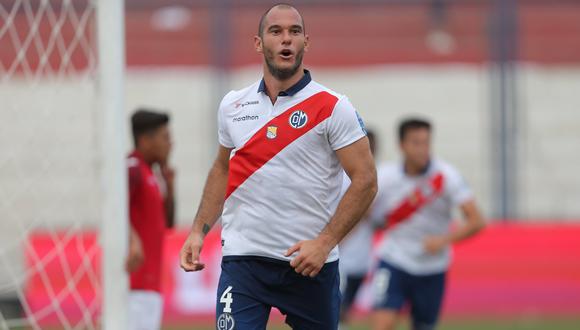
(456, 187)
(224, 136)
(345, 183)
(345, 126)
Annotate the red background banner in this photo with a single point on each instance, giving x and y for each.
(509, 270)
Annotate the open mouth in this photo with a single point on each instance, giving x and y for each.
(286, 54)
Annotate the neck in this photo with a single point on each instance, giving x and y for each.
(275, 86)
(147, 158)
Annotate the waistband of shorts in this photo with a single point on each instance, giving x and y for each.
(263, 259)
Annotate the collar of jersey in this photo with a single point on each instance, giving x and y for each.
(297, 87)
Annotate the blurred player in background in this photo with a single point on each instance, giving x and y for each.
(417, 198)
(151, 209)
(283, 143)
(356, 252)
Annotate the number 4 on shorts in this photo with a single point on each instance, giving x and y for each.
(227, 300)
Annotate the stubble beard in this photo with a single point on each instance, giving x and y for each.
(283, 74)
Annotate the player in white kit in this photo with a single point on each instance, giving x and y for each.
(276, 183)
(416, 198)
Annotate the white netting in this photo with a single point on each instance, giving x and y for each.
(49, 165)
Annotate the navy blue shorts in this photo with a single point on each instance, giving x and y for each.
(250, 286)
(395, 287)
(352, 284)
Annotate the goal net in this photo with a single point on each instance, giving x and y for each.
(51, 161)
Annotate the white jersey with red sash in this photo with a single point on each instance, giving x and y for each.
(284, 176)
(415, 207)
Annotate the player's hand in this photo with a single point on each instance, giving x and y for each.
(435, 244)
(189, 255)
(168, 174)
(136, 257)
(312, 255)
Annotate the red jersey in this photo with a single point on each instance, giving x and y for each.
(147, 213)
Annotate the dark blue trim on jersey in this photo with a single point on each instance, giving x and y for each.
(297, 87)
(423, 171)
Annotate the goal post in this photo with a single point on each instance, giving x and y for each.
(114, 229)
(63, 176)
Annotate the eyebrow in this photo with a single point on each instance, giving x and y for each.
(276, 26)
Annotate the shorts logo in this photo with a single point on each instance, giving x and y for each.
(298, 119)
(225, 322)
(272, 132)
(381, 286)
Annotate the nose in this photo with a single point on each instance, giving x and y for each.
(286, 37)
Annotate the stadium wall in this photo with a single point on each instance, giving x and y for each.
(455, 97)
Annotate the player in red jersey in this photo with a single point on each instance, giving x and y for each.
(151, 210)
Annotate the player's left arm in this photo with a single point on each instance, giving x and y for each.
(474, 223)
(358, 163)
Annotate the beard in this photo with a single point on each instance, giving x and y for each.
(282, 74)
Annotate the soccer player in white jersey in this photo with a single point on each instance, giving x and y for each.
(416, 198)
(275, 183)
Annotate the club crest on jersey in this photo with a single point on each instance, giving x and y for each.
(225, 322)
(298, 119)
(272, 132)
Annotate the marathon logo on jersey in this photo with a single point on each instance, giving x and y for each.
(298, 119)
(245, 118)
(238, 104)
(272, 132)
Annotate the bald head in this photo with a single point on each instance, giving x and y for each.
(280, 6)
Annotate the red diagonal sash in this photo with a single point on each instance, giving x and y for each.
(422, 195)
(260, 149)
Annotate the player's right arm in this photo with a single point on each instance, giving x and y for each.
(135, 257)
(473, 224)
(209, 211)
(460, 195)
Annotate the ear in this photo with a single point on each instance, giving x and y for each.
(258, 44)
(306, 42)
